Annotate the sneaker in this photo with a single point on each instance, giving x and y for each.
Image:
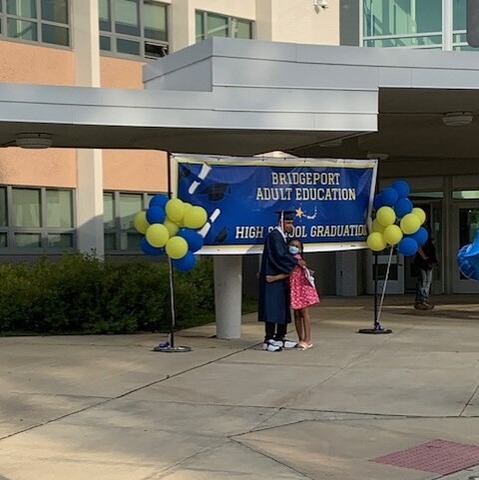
(270, 346)
(421, 306)
(286, 343)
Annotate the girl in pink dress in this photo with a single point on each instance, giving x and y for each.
(303, 294)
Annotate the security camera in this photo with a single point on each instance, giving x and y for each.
(321, 3)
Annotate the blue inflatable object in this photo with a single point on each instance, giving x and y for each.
(465, 265)
(389, 196)
(408, 246)
(420, 236)
(186, 263)
(192, 237)
(155, 215)
(149, 249)
(158, 201)
(402, 188)
(403, 207)
(378, 202)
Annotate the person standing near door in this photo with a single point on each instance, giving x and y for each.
(425, 261)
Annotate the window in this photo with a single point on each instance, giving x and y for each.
(44, 21)
(215, 25)
(133, 27)
(402, 23)
(119, 210)
(459, 41)
(33, 220)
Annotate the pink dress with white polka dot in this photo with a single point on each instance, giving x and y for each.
(303, 294)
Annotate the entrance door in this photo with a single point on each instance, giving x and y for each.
(466, 222)
(395, 282)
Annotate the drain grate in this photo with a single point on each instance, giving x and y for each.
(438, 456)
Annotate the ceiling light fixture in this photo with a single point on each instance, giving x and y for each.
(457, 119)
(33, 140)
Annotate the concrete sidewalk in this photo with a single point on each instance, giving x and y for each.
(107, 407)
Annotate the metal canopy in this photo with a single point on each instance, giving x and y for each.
(245, 97)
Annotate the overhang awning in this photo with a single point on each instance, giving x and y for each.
(245, 97)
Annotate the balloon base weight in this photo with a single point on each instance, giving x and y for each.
(375, 331)
(167, 348)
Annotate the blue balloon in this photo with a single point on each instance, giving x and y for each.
(466, 267)
(389, 196)
(420, 236)
(378, 202)
(193, 238)
(149, 249)
(186, 263)
(403, 207)
(155, 215)
(402, 188)
(158, 201)
(408, 246)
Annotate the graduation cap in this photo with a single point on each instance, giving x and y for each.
(286, 214)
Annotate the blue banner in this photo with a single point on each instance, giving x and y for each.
(331, 200)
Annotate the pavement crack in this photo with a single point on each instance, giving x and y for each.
(468, 403)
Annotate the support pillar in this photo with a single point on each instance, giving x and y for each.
(228, 295)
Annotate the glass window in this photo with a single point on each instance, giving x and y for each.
(3, 240)
(459, 15)
(60, 240)
(215, 25)
(108, 210)
(130, 205)
(22, 8)
(26, 207)
(44, 21)
(465, 194)
(59, 209)
(3, 207)
(134, 27)
(22, 29)
(119, 213)
(55, 10)
(409, 22)
(28, 240)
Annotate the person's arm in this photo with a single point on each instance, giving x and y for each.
(276, 278)
(280, 258)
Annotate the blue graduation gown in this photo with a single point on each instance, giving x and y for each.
(274, 296)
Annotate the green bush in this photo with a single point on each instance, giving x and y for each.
(82, 294)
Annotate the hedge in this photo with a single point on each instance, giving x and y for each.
(82, 294)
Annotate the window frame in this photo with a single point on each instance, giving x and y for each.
(117, 229)
(39, 22)
(43, 230)
(141, 39)
(230, 28)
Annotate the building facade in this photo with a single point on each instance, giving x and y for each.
(57, 200)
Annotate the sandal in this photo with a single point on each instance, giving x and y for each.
(305, 346)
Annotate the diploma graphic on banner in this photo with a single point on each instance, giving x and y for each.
(331, 198)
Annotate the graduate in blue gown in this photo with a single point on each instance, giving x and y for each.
(274, 307)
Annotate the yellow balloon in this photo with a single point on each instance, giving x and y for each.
(175, 209)
(176, 247)
(377, 227)
(195, 217)
(376, 242)
(171, 226)
(410, 223)
(386, 216)
(420, 213)
(187, 207)
(392, 234)
(140, 222)
(157, 235)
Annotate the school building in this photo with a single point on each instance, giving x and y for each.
(393, 99)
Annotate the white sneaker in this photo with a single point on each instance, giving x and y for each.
(286, 343)
(270, 346)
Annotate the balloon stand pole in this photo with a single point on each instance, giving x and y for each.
(170, 347)
(378, 328)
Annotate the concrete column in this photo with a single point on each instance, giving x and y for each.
(228, 293)
(346, 274)
(182, 25)
(89, 199)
